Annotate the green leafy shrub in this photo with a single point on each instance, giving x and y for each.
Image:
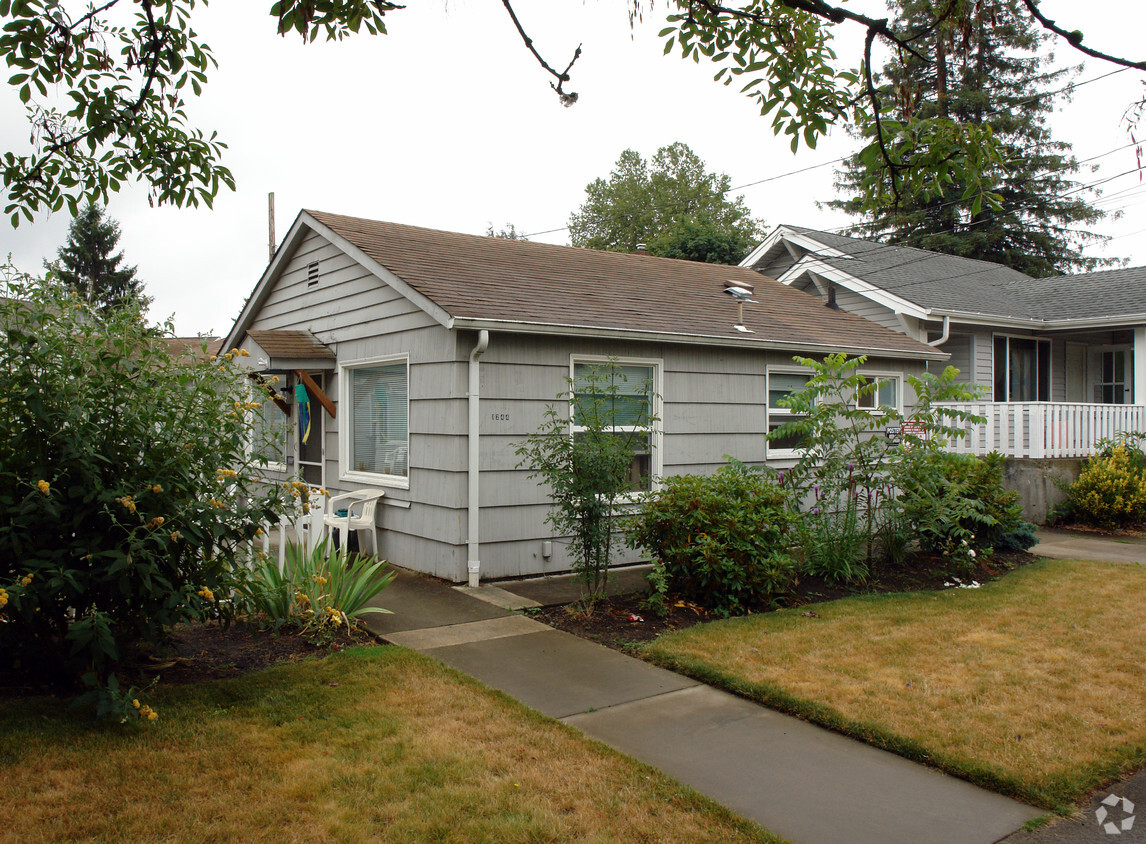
(958, 507)
(1111, 490)
(322, 591)
(720, 541)
(126, 486)
(589, 472)
(843, 485)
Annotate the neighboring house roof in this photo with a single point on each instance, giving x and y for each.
(201, 347)
(470, 281)
(1107, 293)
(937, 284)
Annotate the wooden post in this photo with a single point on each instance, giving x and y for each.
(271, 225)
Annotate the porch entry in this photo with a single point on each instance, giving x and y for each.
(311, 462)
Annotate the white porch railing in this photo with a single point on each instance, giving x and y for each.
(1045, 429)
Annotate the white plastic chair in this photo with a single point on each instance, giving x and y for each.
(360, 507)
(305, 529)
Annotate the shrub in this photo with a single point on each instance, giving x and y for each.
(843, 482)
(721, 540)
(126, 491)
(1111, 490)
(588, 473)
(958, 507)
(321, 591)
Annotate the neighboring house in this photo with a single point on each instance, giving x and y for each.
(1053, 358)
(429, 356)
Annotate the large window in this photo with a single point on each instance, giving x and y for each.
(781, 384)
(376, 442)
(624, 394)
(1022, 369)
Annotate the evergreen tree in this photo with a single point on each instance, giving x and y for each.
(88, 263)
(676, 208)
(984, 66)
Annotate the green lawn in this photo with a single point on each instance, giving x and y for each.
(373, 744)
(1034, 685)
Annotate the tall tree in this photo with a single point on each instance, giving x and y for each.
(106, 86)
(676, 208)
(989, 69)
(89, 264)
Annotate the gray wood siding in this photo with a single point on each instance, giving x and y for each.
(854, 303)
(959, 346)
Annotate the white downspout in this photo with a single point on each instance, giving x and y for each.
(473, 563)
(945, 336)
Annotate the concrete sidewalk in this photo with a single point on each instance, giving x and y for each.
(797, 780)
(1072, 545)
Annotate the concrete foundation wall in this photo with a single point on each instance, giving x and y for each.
(1035, 482)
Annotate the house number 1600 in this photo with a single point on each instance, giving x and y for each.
(499, 417)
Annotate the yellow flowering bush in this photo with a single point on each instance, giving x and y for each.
(1111, 490)
(115, 525)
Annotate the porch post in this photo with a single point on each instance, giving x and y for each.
(1139, 364)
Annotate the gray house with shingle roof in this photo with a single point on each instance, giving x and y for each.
(1024, 342)
(433, 354)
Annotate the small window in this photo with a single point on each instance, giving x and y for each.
(627, 404)
(270, 429)
(885, 394)
(780, 386)
(312, 274)
(377, 440)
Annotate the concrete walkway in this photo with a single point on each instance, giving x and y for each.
(1073, 545)
(797, 780)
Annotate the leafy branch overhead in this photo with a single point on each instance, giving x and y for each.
(106, 89)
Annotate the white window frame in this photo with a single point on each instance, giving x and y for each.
(346, 428)
(656, 437)
(771, 452)
(881, 376)
(272, 465)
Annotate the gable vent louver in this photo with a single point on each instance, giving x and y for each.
(312, 274)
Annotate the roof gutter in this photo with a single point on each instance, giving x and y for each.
(473, 548)
(550, 329)
(945, 336)
(982, 318)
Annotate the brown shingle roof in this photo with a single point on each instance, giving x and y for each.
(200, 347)
(298, 345)
(486, 278)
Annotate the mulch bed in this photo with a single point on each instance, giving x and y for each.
(206, 652)
(623, 621)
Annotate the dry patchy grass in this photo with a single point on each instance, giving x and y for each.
(369, 745)
(1034, 684)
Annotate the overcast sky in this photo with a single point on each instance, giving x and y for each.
(449, 123)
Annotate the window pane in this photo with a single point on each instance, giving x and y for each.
(270, 431)
(1044, 370)
(780, 384)
(791, 441)
(1000, 366)
(379, 436)
(1022, 378)
(618, 398)
(888, 389)
(639, 475)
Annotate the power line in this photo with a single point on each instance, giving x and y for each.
(835, 161)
